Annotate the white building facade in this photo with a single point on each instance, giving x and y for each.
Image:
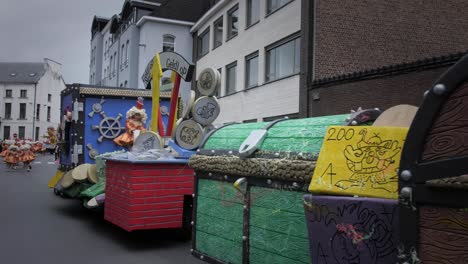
(122, 46)
(255, 44)
(29, 98)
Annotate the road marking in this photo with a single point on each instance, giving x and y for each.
(37, 162)
(51, 162)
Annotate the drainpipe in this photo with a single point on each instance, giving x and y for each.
(34, 113)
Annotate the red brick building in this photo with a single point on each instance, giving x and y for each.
(376, 53)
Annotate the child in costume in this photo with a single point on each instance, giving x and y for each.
(6, 145)
(136, 118)
(11, 158)
(26, 156)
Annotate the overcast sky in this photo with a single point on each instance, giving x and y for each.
(57, 29)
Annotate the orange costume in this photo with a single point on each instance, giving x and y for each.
(136, 118)
(5, 150)
(12, 156)
(26, 155)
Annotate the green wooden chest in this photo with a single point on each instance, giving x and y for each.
(249, 208)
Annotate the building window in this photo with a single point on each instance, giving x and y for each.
(282, 59)
(49, 98)
(233, 22)
(251, 70)
(116, 60)
(22, 114)
(8, 93)
(6, 132)
(273, 118)
(125, 83)
(21, 132)
(105, 73)
(203, 43)
(36, 137)
(48, 114)
(23, 93)
(218, 33)
(218, 92)
(273, 5)
(253, 12)
(7, 110)
(111, 66)
(231, 78)
(122, 57)
(126, 52)
(250, 121)
(168, 43)
(38, 111)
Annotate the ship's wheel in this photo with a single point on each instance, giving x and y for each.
(109, 127)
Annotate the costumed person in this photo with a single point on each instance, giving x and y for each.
(136, 118)
(11, 158)
(26, 156)
(52, 140)
(6, 145)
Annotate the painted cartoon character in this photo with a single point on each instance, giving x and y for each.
(371, 160)
(136, 119)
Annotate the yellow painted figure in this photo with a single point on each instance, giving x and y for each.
(136, 118)
(360, 161)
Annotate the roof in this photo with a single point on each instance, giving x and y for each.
(21, 72)
(426, 63)
(183, 10)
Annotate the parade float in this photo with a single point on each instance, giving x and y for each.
(250, 180)
(141, 176)
(433, 182)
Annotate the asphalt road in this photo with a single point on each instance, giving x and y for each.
(39, 227)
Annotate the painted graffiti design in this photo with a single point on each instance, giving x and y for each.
(370, 162)
(206, 80)
(206, 111)
(189, 135)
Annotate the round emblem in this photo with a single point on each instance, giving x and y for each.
(205, 110)
(189, 134)
(175, 128)
(187, 102)
(146, 141)
(208, 81)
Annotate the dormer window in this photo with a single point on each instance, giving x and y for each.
(168, 43)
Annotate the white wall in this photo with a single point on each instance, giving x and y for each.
(151, 42)
(51, 83)
(276, 98)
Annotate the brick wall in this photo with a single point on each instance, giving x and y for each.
(357, 35)
(382, 92)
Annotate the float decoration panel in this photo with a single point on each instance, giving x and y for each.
(359, 161)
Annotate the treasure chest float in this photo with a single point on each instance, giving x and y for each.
(352, 213)
(433, 182)
(249, 187)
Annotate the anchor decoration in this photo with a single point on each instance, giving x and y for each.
(92, 153)
(109, 127)
(97, 108)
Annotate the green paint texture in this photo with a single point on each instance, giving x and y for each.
(219, 220)
(278, 231)
(296, 135)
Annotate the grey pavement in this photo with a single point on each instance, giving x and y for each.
(39, 227)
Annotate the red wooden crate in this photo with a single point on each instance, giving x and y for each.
(146, 196)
